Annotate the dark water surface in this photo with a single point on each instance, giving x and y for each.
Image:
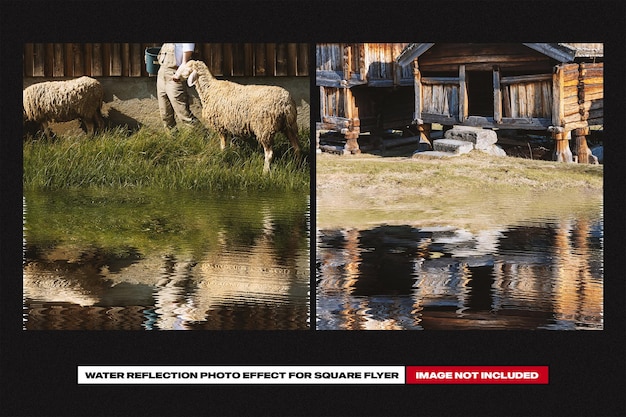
(545, 272)
(165, 261)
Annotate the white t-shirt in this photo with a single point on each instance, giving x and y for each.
(180, 48)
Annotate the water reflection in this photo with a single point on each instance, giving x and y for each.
(142, 262)
(540, 274)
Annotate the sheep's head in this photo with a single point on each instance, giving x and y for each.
(188, 72)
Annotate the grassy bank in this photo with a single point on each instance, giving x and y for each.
(189, 159)
(474, 171)
(473, 190)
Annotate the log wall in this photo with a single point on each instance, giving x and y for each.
(128, 59)
(591, 93)
(580, 89)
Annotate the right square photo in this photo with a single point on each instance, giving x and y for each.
(459, 186)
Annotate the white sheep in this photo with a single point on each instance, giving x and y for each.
(63, 101)
(233, 109)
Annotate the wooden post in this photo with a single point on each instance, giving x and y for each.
(360, 47)
(463, 103)
(581, 149)
(347, 62)
(424, 133)
(497, 95)
(323, 109)
(352, 143)
(558, 112)
(353, 130)
(417, 85)
(562, 152)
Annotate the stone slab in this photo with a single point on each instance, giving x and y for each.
(481, 138)
(452, 145)
(433, 154)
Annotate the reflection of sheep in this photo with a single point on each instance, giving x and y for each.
(63, 101)
(235, 109)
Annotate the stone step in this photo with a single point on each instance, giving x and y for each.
(481, 138)
(433, 154)
(452, 145)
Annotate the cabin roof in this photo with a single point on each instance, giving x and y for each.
(562, 52)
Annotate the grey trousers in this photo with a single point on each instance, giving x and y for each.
(173, 99)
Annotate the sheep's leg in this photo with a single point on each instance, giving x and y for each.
(99, 121)
(269, 154)
(89, 126)
(293, 138)
(223, 138)
(46, 130)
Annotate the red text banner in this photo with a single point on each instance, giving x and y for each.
(476, 374)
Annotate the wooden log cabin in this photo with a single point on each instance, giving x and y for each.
(556, 88)
(550, 87)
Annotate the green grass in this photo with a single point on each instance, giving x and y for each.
(189, 159)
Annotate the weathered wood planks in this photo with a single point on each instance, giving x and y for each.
(127, 59)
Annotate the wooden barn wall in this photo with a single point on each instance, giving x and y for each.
(380, 61)
(440, 99)
(329, 57)
(371, 61)
(528, 100)
(128, 59)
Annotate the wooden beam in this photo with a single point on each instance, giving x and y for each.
(463, 102)
(553, 51)
(418, 91)
(412, 52)
(438, 118)
(557, 97)
(440, 80)
(361, 63)
(347, 61)
(497, 96)
(525, 79)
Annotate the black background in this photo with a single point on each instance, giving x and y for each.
(38, 369)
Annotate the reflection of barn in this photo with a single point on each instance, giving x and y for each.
(535, 276)
(549, 87)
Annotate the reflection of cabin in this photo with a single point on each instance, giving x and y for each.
(551, 87)
(362, 89)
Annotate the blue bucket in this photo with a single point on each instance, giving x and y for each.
(152, 63)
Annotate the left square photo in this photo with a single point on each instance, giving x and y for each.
(166, 186)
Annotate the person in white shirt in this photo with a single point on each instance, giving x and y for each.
(171, 92)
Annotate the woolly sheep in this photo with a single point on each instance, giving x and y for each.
(234, 109)
(63, 101)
